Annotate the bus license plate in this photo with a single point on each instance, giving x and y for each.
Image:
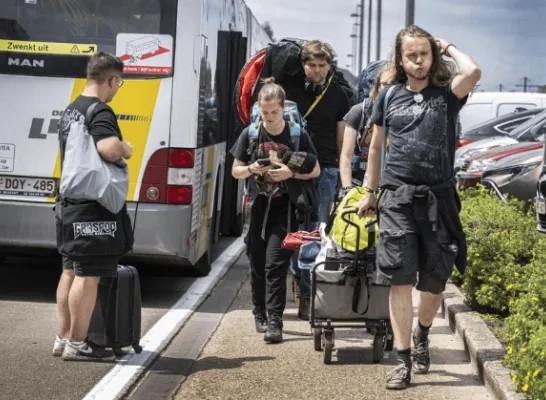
(541, 206)
(27, 186)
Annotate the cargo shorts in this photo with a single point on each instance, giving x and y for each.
(409, 251)
(103, 267)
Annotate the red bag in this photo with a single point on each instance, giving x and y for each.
(294, 240)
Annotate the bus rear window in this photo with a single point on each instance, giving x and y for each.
(37, 37)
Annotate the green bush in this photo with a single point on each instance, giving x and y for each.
(526, 327)
(501, 239)
(506, 276)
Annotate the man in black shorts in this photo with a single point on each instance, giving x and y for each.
(77, 290)
(421, 236)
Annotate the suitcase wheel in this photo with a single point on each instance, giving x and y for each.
(137, 348)
(117, 351)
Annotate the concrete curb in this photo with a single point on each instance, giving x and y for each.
(486, 352)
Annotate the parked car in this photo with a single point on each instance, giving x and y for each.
(498, 126)
(516, 175)
(474, 167)
(531, 131)
(482, 106)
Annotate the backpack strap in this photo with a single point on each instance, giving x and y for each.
(64, 125)
(384, 139)
(319, 97)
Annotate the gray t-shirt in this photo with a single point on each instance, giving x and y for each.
(422, 134)
(354, 117)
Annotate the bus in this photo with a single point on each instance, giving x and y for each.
(182, 59)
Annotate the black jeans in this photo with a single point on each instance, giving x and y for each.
(268, 261)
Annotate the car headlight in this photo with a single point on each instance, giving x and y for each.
(480, 165)
(463, 156)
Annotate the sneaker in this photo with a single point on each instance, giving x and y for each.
(58, 347)
(261, 322)
(84, 350)
(399, 378)
(274, 331)
(421, 356)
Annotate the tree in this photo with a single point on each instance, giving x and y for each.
(268, 29)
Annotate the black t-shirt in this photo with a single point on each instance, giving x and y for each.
(421, 133)
(103, 122)
(274, 147)
(323, 119)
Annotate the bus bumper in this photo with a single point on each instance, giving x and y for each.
(161, 231)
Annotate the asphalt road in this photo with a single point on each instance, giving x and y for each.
(28, 324)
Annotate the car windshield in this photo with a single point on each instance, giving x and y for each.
(523, 128)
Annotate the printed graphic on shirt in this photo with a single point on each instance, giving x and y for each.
(421, 138)
(276, 153)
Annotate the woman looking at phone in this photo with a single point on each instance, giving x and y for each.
(272, 213)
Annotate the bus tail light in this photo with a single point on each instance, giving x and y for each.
(168, 177)
(179, 194)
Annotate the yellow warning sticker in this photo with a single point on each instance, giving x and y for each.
(23, 46)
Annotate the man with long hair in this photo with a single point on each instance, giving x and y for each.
(421, 236)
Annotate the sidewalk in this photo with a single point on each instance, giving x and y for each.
(237, 364)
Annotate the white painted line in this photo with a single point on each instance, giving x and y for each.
(114, 384)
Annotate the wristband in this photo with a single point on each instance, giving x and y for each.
(447, 47)
(371, 190)
(249, 170)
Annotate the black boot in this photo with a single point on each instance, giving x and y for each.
(304, 306)
(274, 330)
(260, 319)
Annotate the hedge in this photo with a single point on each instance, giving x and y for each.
(506, 276)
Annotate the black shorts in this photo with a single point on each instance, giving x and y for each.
(408, 249)
(104, 267)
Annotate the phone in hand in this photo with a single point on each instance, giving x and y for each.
(264, 162)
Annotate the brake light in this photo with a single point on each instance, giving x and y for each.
(463, 142)
(181, 158)
(179, 194)
(168, 177)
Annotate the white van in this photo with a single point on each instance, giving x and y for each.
(482, 106)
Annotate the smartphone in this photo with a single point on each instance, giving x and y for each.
(264, 162)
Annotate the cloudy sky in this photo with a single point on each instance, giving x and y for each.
(505, 37)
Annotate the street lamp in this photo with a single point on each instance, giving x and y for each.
(410, 12)
(361, 34)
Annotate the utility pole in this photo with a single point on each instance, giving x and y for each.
(361, 39)
(526, 84)
(410, 12)
(500, 87)
(369, 54)
(378, 32)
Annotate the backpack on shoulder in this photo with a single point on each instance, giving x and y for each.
(280, 59)
(85, 227)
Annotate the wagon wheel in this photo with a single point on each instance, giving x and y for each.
(328, 345)
(317, 338)
(378, 345)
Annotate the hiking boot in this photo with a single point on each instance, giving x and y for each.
(304, 306)
(84, 350)
(260, 319)
(274, 331)
(59, 345)
(399, 378)
(421, 356)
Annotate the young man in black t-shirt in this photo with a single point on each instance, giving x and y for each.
(326, 127)
(77, 290)
(421, 236)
